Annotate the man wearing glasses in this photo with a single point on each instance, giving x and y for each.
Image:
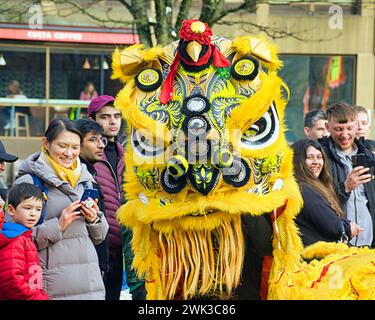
(92, 150)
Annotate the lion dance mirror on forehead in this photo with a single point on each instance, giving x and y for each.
(206, 145)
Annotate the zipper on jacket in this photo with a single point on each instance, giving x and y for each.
(116, 180)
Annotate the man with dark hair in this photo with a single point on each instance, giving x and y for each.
(92, 149)
(315, 125)
(110, 171)
(354, 186)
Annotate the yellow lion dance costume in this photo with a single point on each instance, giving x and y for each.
(206, 145)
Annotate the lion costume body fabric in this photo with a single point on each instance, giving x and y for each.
(206, 145)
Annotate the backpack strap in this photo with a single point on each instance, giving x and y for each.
(39, 182)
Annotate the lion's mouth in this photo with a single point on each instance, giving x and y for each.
(208, 211)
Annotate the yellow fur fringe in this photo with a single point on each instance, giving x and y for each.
(184, 263)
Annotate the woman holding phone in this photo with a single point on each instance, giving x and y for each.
(321, 218)
(66, 237)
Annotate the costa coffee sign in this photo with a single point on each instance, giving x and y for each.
(68, 36)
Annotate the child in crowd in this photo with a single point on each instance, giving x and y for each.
(20, 270)
(2, 202)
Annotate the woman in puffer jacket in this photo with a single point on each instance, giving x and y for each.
(66, 237)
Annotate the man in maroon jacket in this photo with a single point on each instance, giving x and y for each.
(110, 179)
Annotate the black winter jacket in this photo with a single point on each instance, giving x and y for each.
(338, 174)
(317, 221)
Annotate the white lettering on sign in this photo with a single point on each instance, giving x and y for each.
(67, 36)
(46, 35)
(39, 35)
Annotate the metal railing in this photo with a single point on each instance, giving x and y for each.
(57, 105)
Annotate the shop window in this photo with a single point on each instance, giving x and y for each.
(315, 82)
(79, 75)
(22, 80)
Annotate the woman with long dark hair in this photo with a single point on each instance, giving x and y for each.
(66, 236)
(321, 218)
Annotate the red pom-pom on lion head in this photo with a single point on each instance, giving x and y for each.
(195, 30)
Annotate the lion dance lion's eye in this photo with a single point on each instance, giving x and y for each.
(263, 132)
(144, 146)
(245, 69)
(149, 79)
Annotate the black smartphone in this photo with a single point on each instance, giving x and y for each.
(359, 159)
(90, 193)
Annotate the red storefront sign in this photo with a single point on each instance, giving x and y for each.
(68, 36)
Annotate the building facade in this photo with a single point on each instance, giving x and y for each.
(327, 48)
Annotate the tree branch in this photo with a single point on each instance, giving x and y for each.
(85, 12)
(183, 13)
(276, 33)
(143, 24)
(213, 11)
(247, 5)
(127, 6)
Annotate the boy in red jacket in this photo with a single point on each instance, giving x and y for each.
(20, 270)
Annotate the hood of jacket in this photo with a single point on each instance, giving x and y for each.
(10, 231)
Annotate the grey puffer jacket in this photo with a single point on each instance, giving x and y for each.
(69, 260)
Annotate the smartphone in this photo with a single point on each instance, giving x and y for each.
(90, 193)
(359, 160)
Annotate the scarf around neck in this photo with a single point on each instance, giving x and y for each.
(69, 175)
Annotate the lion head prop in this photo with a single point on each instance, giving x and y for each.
(206, 144)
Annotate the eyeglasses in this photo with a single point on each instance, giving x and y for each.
(99, 140)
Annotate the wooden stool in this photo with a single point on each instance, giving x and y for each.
(22, 116)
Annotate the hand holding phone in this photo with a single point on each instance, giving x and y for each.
(358, 176)
(90, 193)
(90, 209)
(89, 196)
(359, 159)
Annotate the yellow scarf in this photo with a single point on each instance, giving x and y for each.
(69, 175)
